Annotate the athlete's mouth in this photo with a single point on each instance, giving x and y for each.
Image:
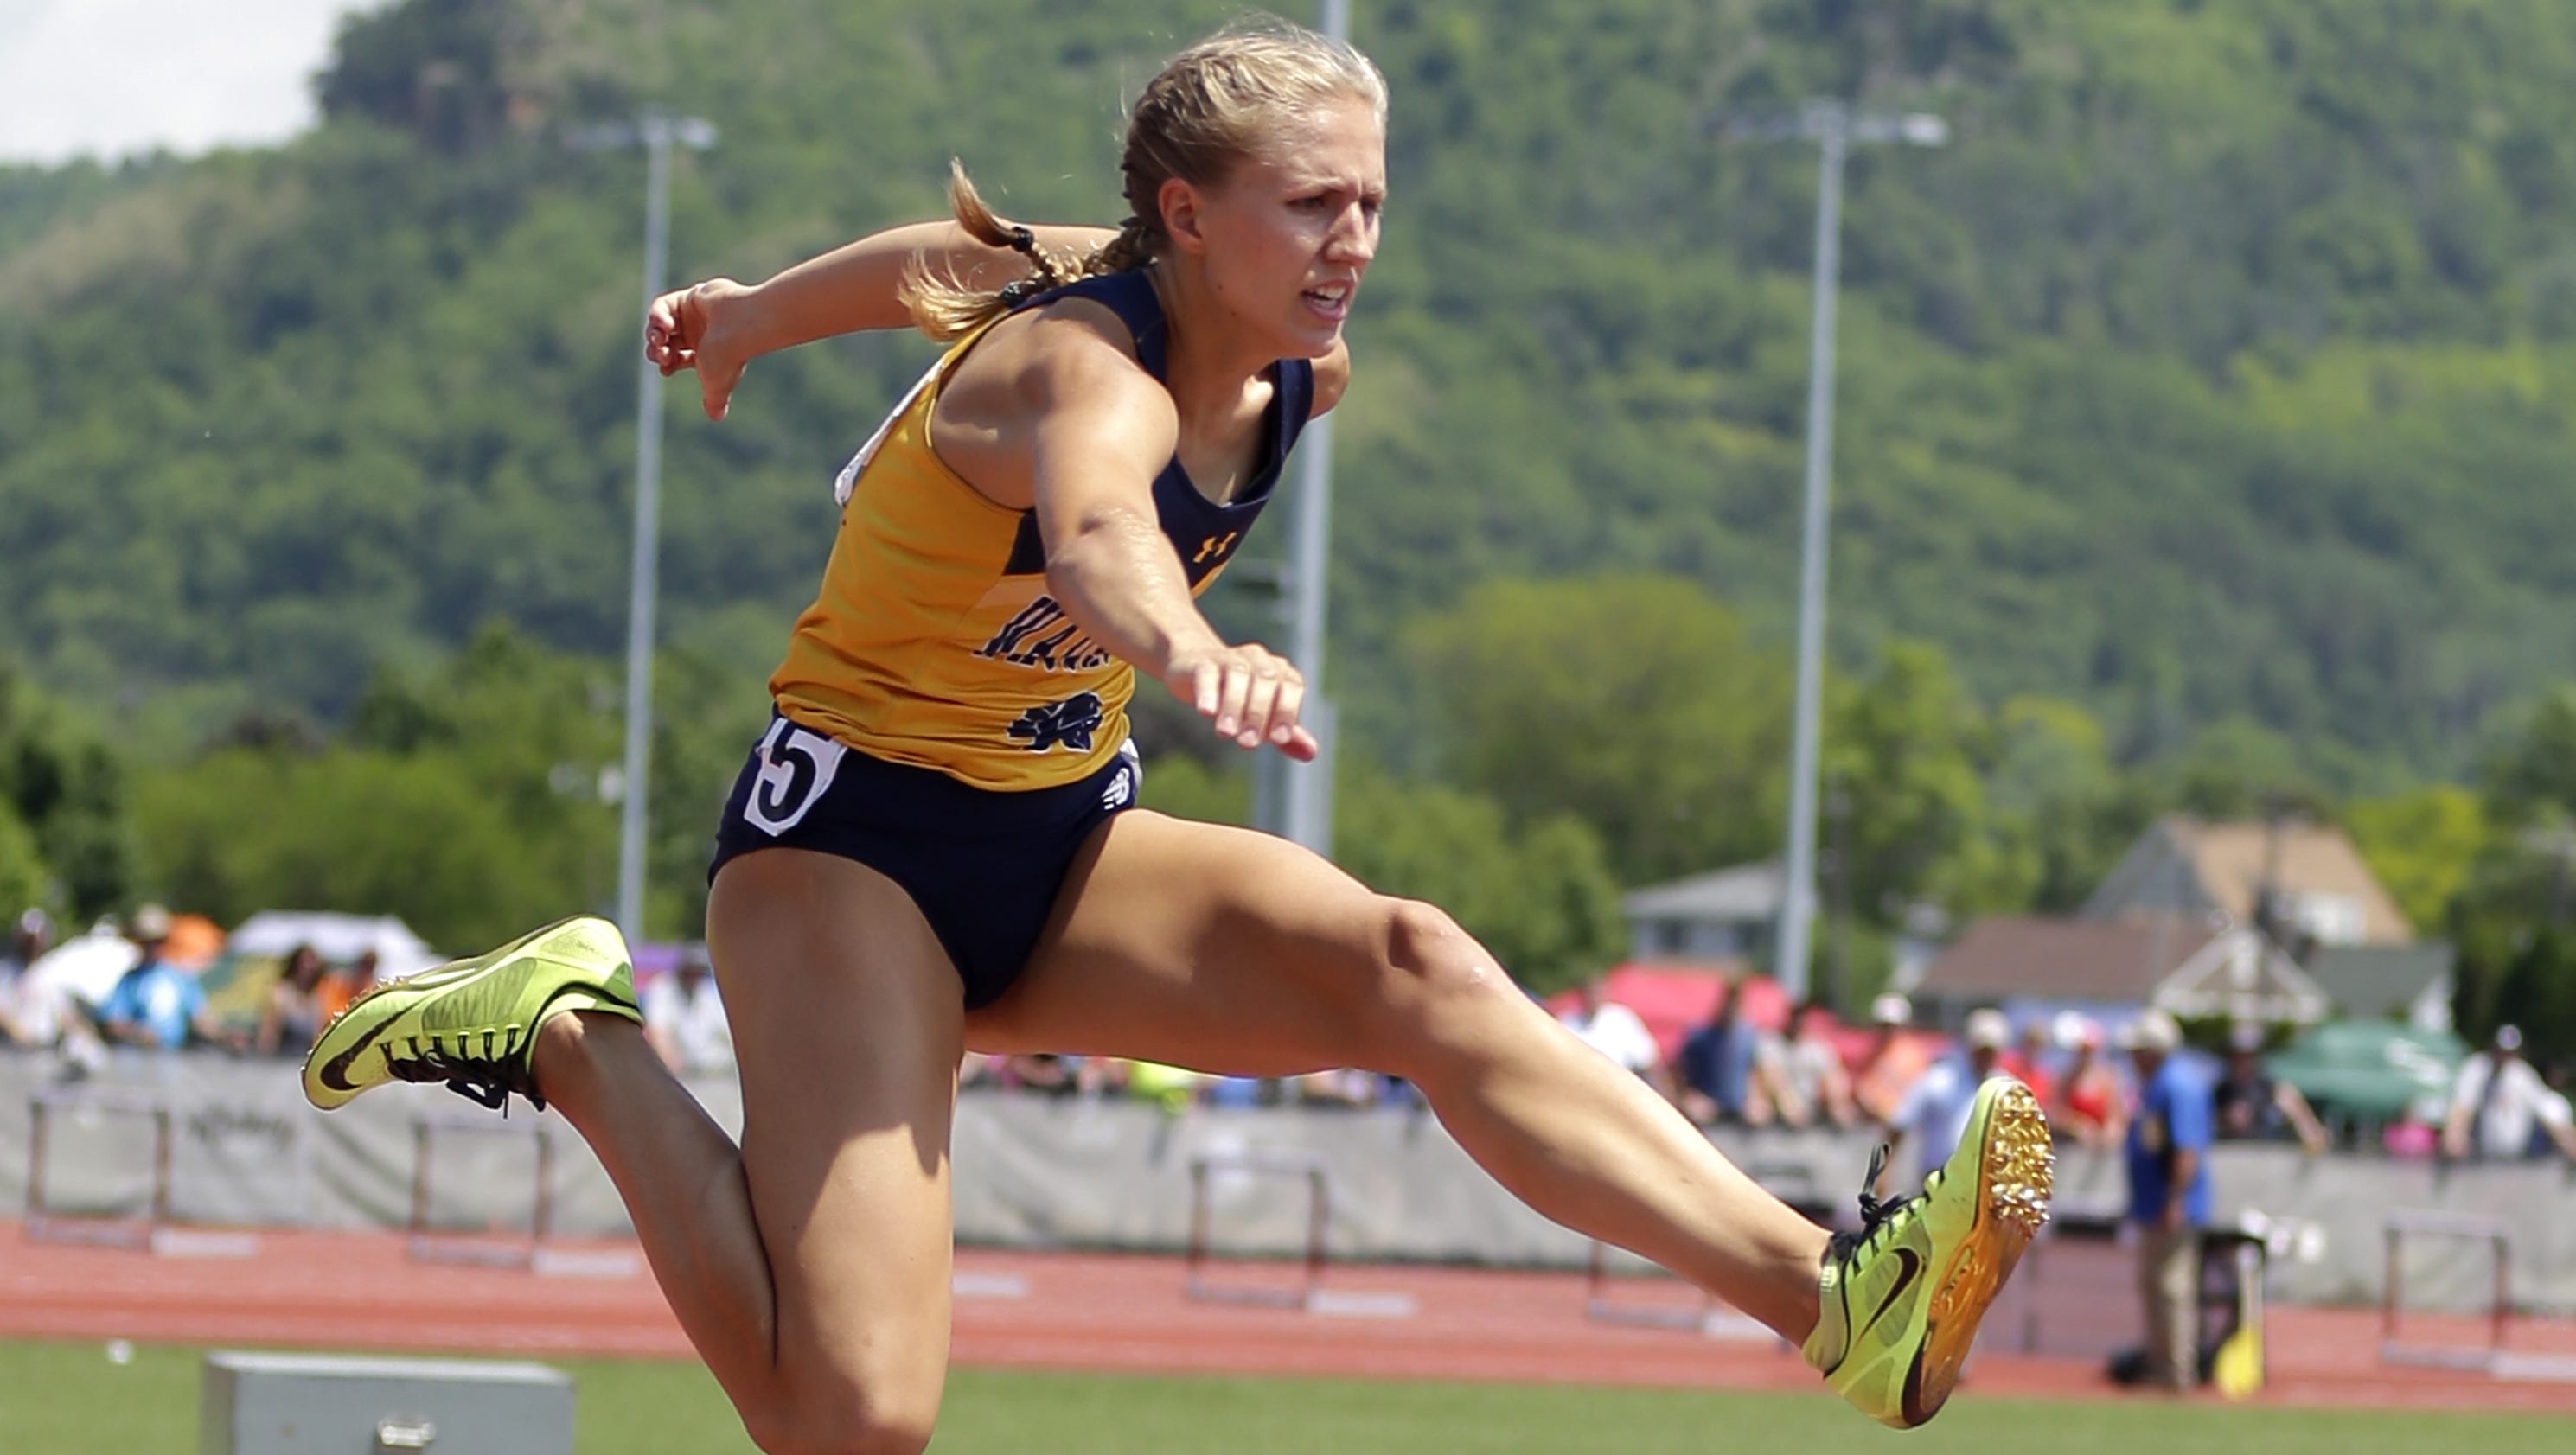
(1332, 300)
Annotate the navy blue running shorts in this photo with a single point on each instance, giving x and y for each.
(983, 866)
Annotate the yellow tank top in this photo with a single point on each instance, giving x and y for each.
(933, 641)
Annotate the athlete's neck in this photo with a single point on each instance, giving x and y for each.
(1206, 364)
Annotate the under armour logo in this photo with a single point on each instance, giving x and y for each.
(1214, 546)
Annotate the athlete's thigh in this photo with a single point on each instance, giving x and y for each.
(1201, 945)
(845, 1016)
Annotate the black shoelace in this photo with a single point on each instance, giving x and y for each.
(486, 1077)
(1875, 1215)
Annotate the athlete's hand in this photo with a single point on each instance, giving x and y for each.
(1249, 692)
(703, 327)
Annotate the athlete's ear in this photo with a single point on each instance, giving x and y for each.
(1180, 203)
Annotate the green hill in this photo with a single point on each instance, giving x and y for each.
(2218, 372)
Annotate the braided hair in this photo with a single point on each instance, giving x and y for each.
(1210, 107)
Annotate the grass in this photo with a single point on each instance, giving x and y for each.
(69, 1399)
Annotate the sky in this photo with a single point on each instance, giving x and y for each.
(110, 78)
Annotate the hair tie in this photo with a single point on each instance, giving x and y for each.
(1016, 293)
(1023, 240)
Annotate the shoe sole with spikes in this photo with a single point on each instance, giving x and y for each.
(1903, 1297)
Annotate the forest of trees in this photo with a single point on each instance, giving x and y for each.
(2205, 440)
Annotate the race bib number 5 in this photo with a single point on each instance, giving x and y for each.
(796, 766)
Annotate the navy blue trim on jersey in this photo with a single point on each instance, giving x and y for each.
(1206, 532)
(983, 867)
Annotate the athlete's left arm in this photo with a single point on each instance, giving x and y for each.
(719, 326)
(1332, 376)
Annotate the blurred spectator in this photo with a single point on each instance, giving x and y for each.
(29, 938)
(2168, 1165)
(1174, 1088)
(347, 985)
(2250, 1106)
(1715, 1070)
(157, 1004)
(293, 1015)
(1891, 1064)
(1935, 1110)
(2411, 1138)
(1814, 1085)
(2500, 1108)
(1612, 1029)
(1043, 1072)
(1238, 1091)
(2090, 1099)
(2032, 1059)
(684, 1018)
(34, 1012)
(1346, 1086)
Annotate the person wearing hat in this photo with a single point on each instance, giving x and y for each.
(33, 1012)
(2500, 1108)
(1892, 1062)
(2168, 1165)
(156, 1004)
(1936, 1107)
(2252, 1106)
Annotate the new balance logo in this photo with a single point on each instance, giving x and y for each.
(1069, 723)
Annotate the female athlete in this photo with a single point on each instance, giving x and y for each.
(934, 846)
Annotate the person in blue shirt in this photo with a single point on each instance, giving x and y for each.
(2168, 1165)
(1715, 1065)
(1937, 1106)
(156, 1004)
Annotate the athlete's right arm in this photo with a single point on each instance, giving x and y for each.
(1100, 430)
(719, 326)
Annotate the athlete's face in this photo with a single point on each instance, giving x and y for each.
(1290, 231)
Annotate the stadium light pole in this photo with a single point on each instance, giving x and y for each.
(657, 132)
(1835, 127)
(1306, 799)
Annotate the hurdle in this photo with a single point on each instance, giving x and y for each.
(1319, 1210)
(2497, 1234)
(425, 1243)
(1701, 1310)
(1309, 1294)
(48, 1224)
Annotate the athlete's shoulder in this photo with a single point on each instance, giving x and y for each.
(1332, 376)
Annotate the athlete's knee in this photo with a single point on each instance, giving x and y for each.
(853, 1421)
(1439, 976)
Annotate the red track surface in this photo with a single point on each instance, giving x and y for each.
(1088, 1311)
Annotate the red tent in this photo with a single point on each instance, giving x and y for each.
(1674, 999)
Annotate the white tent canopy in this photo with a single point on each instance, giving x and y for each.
(338, 938)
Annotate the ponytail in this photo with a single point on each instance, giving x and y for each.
(945, 308)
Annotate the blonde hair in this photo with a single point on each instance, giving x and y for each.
(1209, 108)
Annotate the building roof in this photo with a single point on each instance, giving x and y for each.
(2064, 959)
(2243, 976)
(2375, 982)
(2185, 865)
(1727, 896)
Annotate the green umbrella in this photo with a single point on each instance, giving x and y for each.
(2372, 1070)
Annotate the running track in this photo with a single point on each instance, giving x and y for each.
(1092, 1312)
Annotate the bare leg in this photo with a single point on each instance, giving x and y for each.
(1232, 951)
(810, 1266)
